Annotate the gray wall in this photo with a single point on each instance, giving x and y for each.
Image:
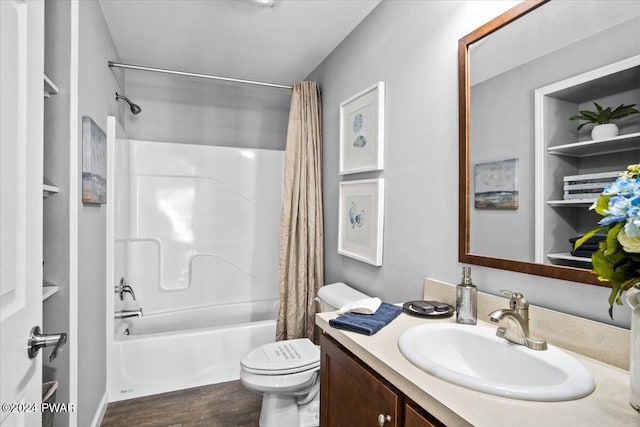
(412, 46)
(199, 111)
(55, 251)
(96, 93)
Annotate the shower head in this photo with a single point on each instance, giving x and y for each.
(135, 109)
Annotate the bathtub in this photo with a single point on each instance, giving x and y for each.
(174, 350)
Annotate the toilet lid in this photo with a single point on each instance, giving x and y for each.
(282, 357)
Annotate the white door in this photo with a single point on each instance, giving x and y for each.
(21, 152)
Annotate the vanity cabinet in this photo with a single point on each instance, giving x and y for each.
(352, 394)
(414, 416)
(571, 168)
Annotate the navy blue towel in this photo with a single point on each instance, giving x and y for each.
(367, 324)
(594, 240)
(586, 247)
(582, 254)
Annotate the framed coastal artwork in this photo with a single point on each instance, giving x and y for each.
(94, 162)
(361, 220)
(496, 185)
(362, 131)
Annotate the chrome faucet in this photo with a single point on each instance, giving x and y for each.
(124, 314)
(124, 288)
(514, 322)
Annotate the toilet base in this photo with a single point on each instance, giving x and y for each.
(285, 411)
(310, 414)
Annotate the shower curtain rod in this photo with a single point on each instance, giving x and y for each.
(204, 76)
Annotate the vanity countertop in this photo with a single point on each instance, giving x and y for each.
(455, 405)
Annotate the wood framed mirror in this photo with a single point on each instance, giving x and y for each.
(511, 237)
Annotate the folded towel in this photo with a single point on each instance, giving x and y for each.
(589, 247)
(594, 240)
(367, 324)
(362, 306)
(581, 254)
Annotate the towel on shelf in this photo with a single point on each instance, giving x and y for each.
(581, 254)
(593, 240)
(367, 324)
(588, 247)
(584, 251)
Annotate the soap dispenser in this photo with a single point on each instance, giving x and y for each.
(466, 299)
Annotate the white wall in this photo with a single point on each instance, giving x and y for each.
(412, 46)
(96, 98)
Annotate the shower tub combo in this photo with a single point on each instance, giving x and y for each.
(197, 239)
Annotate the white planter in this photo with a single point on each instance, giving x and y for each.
(604, 131)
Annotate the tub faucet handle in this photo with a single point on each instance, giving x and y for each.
(123, 288)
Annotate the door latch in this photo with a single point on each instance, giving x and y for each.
(37, 341)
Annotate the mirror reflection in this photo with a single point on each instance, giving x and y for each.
(532, 175)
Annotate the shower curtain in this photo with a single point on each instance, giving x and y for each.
(301, 265)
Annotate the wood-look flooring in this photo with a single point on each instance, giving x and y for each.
(218, 405)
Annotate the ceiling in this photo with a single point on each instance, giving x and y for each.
(232, 38)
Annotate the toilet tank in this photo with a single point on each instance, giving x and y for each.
(335, 295)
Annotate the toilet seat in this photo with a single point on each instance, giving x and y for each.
(291, 384)
(282, 358)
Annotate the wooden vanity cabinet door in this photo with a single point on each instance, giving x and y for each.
(414, 416)
(350, 394)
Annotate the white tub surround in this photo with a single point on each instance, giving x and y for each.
(206, 317)
(458, 406)
(189, 348)
(196, 237)
(197, 225)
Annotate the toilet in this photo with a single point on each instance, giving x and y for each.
(287, 373)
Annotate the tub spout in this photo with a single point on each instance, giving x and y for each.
(124, 314)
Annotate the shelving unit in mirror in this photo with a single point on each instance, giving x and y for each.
(571, 168)
(617, 144)
(567, 257)
(582, 203)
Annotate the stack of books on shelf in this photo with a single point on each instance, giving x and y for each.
(587, 186)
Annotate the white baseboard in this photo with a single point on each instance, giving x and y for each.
(102, 409)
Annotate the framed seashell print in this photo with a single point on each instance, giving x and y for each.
(361, 220)
(362, 131)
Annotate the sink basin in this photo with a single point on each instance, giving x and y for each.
(474, 357)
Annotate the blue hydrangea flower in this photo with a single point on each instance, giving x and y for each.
(624, 205)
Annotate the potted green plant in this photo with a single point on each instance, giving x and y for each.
(603, 117)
